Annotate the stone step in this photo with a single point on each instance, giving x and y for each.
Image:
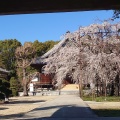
(70, 87)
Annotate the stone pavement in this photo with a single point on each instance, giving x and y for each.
(64, 107)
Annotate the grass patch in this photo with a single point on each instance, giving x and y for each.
(102, 99)
(107, 112)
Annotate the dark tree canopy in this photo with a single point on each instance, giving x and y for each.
(8, 62)
(7, 56)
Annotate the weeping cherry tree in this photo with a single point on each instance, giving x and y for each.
(86, 53)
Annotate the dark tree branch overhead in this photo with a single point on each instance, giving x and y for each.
(46, 6)
(116, 14)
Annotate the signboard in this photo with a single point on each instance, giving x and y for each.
(31, 87)
(34, 79)
(92, 86)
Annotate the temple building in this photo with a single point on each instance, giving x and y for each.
(45, 80)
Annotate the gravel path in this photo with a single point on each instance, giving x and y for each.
(64, 106)
(20, 105)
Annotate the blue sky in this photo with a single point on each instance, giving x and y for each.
(47, 26)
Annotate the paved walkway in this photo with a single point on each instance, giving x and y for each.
(64, 107)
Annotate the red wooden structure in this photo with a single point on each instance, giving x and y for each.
(44, 81)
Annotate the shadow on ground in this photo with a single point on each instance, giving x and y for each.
(26, 101)
(107, 112)
(60, 111)
(12, 116)
(3, 108)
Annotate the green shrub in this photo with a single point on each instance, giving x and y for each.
(14, 92)
(14, 86)
(4, 89)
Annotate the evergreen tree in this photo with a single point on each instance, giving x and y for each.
(7, 56)
(4, 89)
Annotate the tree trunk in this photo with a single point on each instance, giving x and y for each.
(100, 85)
(105, 92)
(79, 90)
(118, 89)
(25, 91)
(97, 89)
(80, 86)
(112, 89)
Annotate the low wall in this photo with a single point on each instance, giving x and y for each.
(47, 93)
